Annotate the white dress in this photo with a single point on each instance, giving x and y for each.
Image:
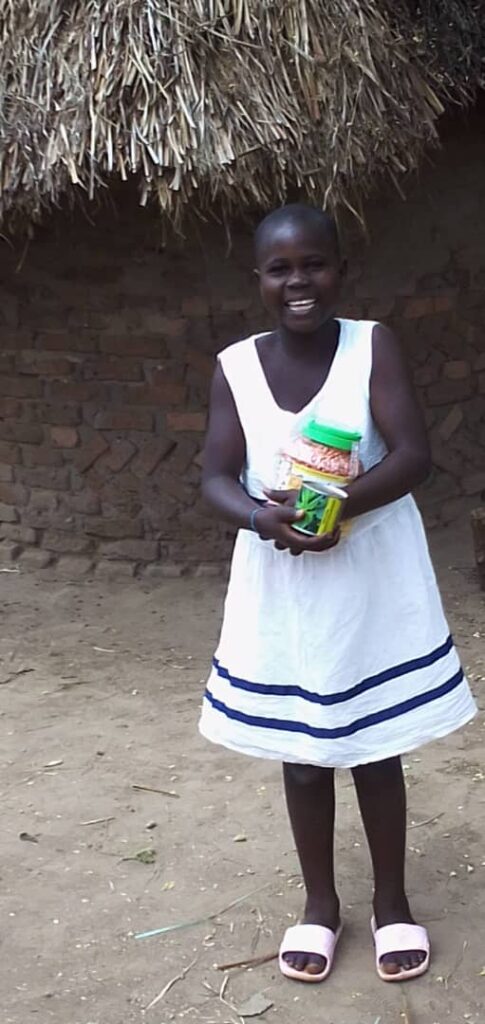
(339, 658)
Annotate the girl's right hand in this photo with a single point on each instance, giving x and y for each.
(273, 523)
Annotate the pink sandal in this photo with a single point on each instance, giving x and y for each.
(399, 938)
(309, 938)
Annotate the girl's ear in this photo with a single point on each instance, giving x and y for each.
(256, 272)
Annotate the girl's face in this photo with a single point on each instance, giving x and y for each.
(300, 275)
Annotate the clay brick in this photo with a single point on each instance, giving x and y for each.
(163, 391)
(15, 531)
(166, 326)
(34, 559)
(6, 473)
(146, 347)
(10, 408)
(8, 514)
(446, 391)
(64, 437)
(107, 570)
(35, 364)
(481, 383)
(479, 363)
(45, 519)
(90, 451)
(451, 423)
(119, 527)
(45, 476)
(199, 361)
(79, 391)
(7, 362)
(124, 419)
(425, 375)
(415, 308)
(456, 369)
(9, 453)
(182, 456)
(86, 502)
(58, 415)
(118, 455)
(444, 302)
(150, 455)
(9, 551)
(135, 550)
(190, 421)
(474, 483)
(63, 341)
(20, 387)
(59, 541)
(164, 571)
(114, 369)
(26, 433)
(37, 455)
(44, 499)
(13, 494)
(196, 306)
(74, 566)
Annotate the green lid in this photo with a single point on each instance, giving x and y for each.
(342, 439)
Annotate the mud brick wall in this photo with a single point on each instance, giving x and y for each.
(107, 350)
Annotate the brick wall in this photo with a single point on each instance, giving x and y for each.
(107, 350)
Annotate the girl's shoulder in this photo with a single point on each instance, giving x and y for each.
(237, 351)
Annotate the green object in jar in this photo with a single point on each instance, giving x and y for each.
(322, 507)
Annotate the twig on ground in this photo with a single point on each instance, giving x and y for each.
(166, 988)
(427, 821)
(152, 789)
(255, 961)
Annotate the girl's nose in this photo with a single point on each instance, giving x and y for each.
(297, 278)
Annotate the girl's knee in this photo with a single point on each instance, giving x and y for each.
(306, 774)
(378, 771)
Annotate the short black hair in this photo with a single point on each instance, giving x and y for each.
(300, 215)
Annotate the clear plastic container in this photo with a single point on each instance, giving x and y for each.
(320, 452)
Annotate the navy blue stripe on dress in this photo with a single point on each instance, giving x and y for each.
(344, 730)
(280, 690)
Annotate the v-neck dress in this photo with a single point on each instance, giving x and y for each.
(339, 658)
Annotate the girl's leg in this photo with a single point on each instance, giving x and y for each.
(310, 798)
(382, 801)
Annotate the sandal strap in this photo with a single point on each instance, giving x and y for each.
(399, 938)
(309, 938)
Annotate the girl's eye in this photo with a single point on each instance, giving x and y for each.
(278, 268)
(315, 265)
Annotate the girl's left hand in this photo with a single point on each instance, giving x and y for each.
(301, 541)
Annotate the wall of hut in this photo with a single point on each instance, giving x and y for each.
(107, 349)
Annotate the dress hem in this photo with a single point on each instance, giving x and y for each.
(382, 755)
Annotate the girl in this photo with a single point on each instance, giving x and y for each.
(340, 657)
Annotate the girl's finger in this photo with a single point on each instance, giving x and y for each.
(282, 497)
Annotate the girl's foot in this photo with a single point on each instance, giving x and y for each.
(397, 913)
(324, 913)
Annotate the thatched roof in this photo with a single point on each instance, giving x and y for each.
(225, 103)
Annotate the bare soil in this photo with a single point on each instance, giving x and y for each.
(100, 688)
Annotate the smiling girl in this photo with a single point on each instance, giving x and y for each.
(340, 657)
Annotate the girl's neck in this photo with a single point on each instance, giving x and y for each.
(299, 345)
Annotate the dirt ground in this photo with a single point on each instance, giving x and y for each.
(100, 692)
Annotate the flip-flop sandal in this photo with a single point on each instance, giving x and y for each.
(399, 938)
(309, 938)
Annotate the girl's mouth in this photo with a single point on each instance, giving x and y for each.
(301, 306)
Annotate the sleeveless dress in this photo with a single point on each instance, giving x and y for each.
(338, 658)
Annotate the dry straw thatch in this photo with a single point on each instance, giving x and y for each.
(224, 103)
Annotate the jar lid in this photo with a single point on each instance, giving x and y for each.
(336, 438)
